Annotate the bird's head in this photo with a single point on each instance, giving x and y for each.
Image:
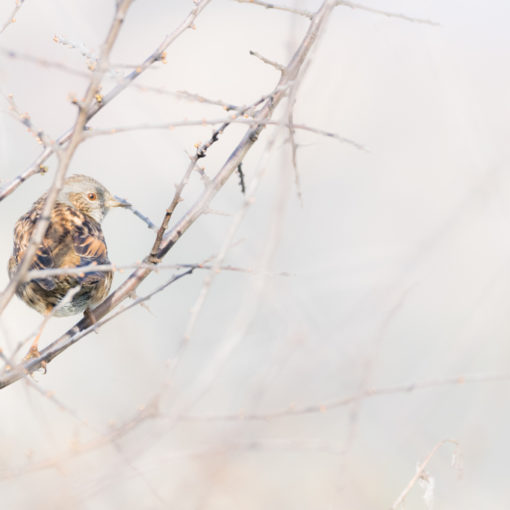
(88, 196)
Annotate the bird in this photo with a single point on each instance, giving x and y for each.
(73, 239)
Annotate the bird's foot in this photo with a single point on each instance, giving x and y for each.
(34, 353)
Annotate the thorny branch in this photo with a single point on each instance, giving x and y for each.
(155, 56)
(265, 112)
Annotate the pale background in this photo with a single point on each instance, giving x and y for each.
(398, 260)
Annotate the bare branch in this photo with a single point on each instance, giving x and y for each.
(420, 471)
(24, 118)
(388, 14)
(45, 273)
(344, 401)
(12, 16)
(352, 5)
(213, 122)
(277, 66)
(137, 213)
(268, 5)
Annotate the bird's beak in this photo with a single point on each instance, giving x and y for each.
(112, 201)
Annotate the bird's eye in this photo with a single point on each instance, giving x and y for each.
(92, 197)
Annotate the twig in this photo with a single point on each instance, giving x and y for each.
(43, 62)
(24, 118)
(136, 302)
(268, 5)
(92, 268)
(197, 97)
(12, 16)
(276, 65)
(420, 472)
(388, 14)
(232, 120)
(136, 212)
(146, 413)
(85, 52)
(242, 184)
(352, 5)
(344, 401)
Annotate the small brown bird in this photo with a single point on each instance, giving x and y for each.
(73, 239)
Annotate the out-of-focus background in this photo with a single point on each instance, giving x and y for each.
(396, 265)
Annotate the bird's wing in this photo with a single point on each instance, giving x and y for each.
(90, 247)
(72, 240)
(23, 231)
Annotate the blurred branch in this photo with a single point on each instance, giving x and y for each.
(25, 119)
(388, 14)
(43, 62)
(12, 16)
(137, 213)
(344, 401)
(143, 414)
(169, 239)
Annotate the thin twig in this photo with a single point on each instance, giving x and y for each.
(352, 5)
(12, 16)
(179, 94)
(269, 5)
(271, 63)
(92, 268)
(232, 120)
(344, 401)
(25, 119)
(388, 14)
(420, 472)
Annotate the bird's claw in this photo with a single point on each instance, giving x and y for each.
(34, 353)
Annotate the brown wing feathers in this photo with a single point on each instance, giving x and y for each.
(73, 239)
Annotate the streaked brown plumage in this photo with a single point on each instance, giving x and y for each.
(73, 239)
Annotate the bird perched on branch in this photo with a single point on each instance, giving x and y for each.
(73, 239)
